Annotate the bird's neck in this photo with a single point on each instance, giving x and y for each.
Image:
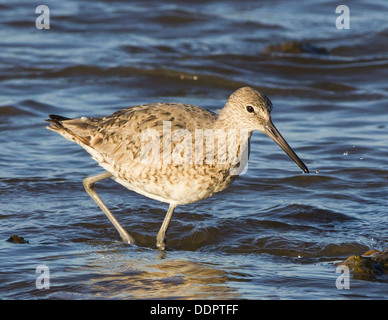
(235, 139)
(229, 124)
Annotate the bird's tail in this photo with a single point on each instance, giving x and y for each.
(72, 129)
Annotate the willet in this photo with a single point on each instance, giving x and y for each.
(175, 153)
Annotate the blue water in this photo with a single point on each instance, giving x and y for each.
(275, 233)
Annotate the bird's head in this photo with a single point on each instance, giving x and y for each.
(249, 109)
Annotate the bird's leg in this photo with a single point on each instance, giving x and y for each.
(89, 187)
(161, 237)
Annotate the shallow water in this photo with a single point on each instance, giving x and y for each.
(275, 233)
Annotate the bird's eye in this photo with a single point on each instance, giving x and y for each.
(250, 109)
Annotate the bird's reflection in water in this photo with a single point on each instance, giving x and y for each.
(163, 278)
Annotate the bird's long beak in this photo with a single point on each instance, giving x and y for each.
(274, 134)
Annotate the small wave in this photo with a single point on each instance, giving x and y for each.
(25, 109)
(11, 110)
(288, 230)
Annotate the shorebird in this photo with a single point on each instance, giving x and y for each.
(149, 149)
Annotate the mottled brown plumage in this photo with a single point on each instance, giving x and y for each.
(172, 152)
